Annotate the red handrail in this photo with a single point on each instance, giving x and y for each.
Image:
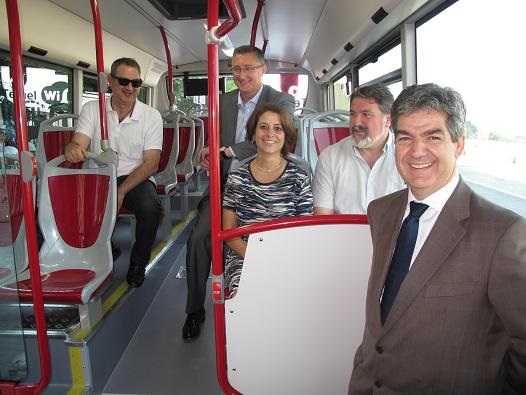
(101, 80)
(264, 48)
(215, 194)
(15, 45)
(171, 95)
(234, 12)
(294, 222)
(255, 23)
(215, 220)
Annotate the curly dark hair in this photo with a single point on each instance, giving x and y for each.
(290, 131)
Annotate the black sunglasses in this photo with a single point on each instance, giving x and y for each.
(125, 81)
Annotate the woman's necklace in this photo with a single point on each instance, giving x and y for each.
(269, 170)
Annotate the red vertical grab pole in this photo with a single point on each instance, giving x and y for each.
(15, 45)
(215, 191)
(101, 77)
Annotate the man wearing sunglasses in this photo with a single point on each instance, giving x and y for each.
(235, 107)
(135, 132)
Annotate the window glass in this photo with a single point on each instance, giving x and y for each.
(299, 90)
(494, 161)
(48, 92)
(386, 63)
(396, 88)
(295, 84)
(341, 97)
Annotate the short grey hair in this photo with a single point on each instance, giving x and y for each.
(126, 61)
(432, 97)
(380, 93)
(244, 49)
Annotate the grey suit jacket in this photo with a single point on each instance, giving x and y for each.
(228, 110)
(458, 324)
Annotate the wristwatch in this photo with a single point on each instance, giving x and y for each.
(223, 153)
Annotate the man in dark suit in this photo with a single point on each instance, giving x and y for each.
(456, 322)
(248, 67)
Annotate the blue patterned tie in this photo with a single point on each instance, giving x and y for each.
(405, 245)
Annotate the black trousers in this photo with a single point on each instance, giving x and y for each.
(144, 203)
(198, 257)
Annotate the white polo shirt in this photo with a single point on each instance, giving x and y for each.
(141, 130)
(344, 182)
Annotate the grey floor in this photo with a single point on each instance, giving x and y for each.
(157, 360)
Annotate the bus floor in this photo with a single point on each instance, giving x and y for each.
(157, 360)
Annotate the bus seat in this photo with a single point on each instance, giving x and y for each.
(12, 228)
(53, 135)
(185, 167)
(166, 176)
(301, 123)
(325, 129)
(75, 259)
(284, 306)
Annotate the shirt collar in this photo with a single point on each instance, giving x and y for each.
(438, 199)
(135, 114)
(254, 100)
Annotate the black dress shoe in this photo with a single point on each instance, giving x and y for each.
(135, 276)
(192, 325)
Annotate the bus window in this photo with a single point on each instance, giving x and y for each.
(193, 103)
(48, 91)
(299, 91)
(341, 97)
(490, 78)
(379, 67)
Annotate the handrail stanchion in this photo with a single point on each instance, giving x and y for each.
(108, 155)
(214, 35)
(255, 22)
(171, 95)
(28, 172)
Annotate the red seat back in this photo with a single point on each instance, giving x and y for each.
(79, 217)
(325, 136)
(184, 142)
(168, 139)
(55, 141)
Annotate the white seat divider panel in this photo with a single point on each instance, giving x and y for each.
(298, 316)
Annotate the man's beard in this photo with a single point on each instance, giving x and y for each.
(362, 143)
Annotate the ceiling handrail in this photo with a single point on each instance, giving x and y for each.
(255, 22)
(234, 12)
(171, 95)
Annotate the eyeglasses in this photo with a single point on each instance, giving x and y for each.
(247, 69)
(125, 81)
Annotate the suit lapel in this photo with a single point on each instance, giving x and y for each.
(230, 124)
(447, 232)
(264, 97)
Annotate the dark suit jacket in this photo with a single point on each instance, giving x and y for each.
(228, 110)
(458, 324)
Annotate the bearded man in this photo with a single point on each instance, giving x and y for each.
(361, 167)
